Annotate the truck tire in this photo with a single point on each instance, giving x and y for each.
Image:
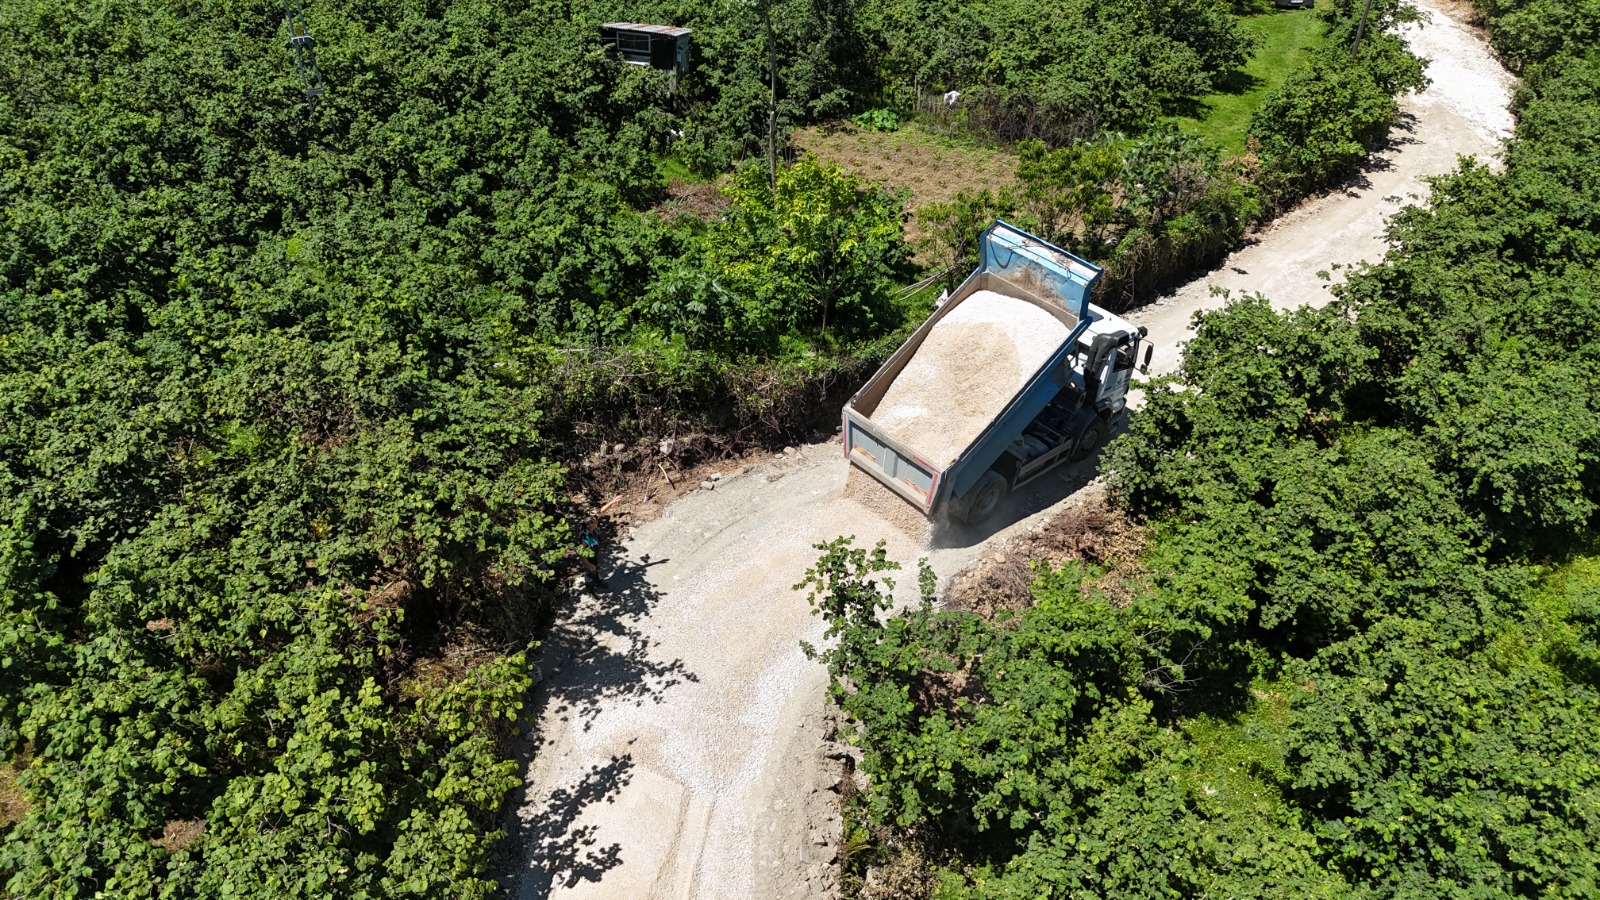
(1094, 434)
(986, 497)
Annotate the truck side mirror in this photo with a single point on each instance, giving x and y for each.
(1149, 351)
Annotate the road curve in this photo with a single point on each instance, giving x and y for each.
(680, 751)
(1464, 112)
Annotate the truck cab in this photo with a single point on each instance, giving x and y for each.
(1108, 353)
(1077, 420)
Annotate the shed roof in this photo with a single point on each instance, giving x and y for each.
(669, 30)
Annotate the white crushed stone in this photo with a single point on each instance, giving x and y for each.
(968, 368)
(1465, 78)
(888, 506)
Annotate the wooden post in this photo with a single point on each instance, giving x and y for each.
(1361, 28)
(772, 97)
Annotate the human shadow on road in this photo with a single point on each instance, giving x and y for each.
(596, 656)
(559, 852)
(1040, 494)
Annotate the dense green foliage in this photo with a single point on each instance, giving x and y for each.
(1286, 40)
(287, 388)
(1535, 32)
(1156, 203)
(1058, 77)
(260, 443)
(1071, 73)
(277, 512)
(1324, 118)
(1358, 654)
(1159, 203)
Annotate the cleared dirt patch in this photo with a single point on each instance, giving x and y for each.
(932, 168)
(179, 834)
(14, 803)
(1087, 531)
(701, 199)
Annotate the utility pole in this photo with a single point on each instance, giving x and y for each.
(772, 96)
(305, 52)
(1361, 28)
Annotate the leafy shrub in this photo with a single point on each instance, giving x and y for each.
(878, 120)
(954, 228)
(1323, 120)
(1359, 657)
(821, 250)
(1530, 31)
(1084, 68)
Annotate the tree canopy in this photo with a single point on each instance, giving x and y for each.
(291, 390)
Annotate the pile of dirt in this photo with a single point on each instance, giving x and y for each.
(1091, 531)
(888, 506)
(968, 368)
(702, 199)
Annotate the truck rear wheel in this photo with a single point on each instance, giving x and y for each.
(1094, 434)
(986, 497)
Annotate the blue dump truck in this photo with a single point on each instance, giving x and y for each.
(1015, 373)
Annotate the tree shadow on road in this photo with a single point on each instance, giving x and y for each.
(1380, 159)
(595, 655)
(559, 852)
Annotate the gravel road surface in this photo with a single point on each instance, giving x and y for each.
(681, 750)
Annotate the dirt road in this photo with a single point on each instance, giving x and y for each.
(683, 736)
(1464, 112)
(681, 752)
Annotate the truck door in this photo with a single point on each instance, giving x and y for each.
(1119, 371)
(1105, 376)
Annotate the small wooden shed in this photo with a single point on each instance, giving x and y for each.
(663, 47)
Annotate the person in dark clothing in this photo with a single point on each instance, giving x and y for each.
(589, 537)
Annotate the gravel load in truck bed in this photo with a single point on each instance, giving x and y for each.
(968, 368)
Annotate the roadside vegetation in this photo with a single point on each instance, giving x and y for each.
(298, 398)
(1353, 650)
(1154, 205)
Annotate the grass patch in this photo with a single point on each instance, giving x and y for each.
(931, 168)
(918, 305)
(1560, 627)
(14, 802)
(1238, 763)
(672, 168)
(1287, 38)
